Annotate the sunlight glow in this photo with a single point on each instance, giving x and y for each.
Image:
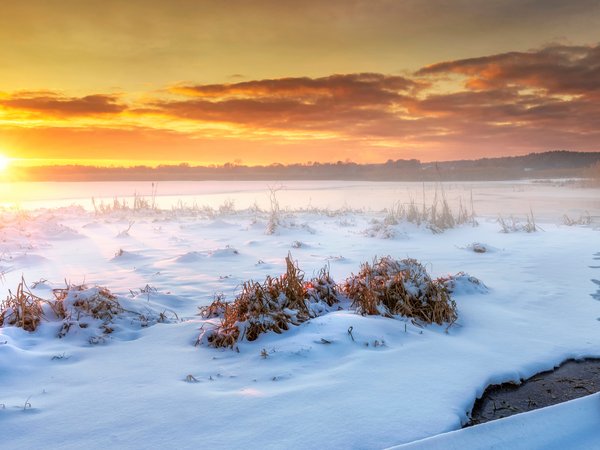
(4, 162)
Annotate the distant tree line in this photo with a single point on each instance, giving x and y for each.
(535, 165)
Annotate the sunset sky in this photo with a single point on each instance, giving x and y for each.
(205, 82)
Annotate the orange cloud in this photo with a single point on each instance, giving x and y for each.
(337, 104)
(510, 103)
(557, 69)
(53, 104)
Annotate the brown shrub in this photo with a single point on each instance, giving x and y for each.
(273, 305)
(322, 288)
(386, 287)
(22, 309)
(98, 302)
(72, 305)
(389, 287)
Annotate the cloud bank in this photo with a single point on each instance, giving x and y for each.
(506, 103)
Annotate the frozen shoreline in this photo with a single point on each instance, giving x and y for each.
(548, 201)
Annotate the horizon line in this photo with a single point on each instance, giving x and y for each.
(24, 163)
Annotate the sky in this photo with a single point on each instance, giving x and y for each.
(265, 81)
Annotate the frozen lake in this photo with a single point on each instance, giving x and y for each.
(548, 200)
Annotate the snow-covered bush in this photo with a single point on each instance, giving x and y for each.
(93, 312)
(386, 287)
(390, 287)
(273, 305)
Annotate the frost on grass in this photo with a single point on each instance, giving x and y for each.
(93, 312)
(387, 287)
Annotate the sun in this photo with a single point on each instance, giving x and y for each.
(4, 162)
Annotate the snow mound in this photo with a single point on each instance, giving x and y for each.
(463, 283)
(124, 255)
(92, 314)
(96, 313)
(58, 231)
(222, 252)
(189, 257)
(196, 256)
(380, 230)
(29, 259)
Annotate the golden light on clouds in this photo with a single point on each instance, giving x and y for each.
(276, 81)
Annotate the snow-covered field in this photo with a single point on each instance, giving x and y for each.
(147, 385)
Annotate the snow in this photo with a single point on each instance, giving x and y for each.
(392, 382)
(572, 425)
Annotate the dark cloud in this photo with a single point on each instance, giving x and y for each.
(542, 99)
(336, 102)
(558, 69)
(362, 86)
(52, 104)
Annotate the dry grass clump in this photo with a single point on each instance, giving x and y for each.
(140, 203)
(322, 288)
(215, 309)
(26, 310)
(386, 287)
(438, 216)
(73, 307)
(97, 307)
(260, 307)
(70, 305)
(513, 225)
(584, 219)
(22, 309)
(390, 287)
(273, 305)
(98, 303)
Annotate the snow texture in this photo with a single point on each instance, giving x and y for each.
(339, 380)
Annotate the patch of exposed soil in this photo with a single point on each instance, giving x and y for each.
(571, 380)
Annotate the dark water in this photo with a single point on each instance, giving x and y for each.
(573, 379)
